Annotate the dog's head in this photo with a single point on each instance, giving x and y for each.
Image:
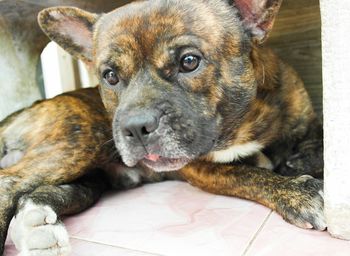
(175, 76)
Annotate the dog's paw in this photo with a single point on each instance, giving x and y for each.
(302, 203)
(36, 231)
(123, 177)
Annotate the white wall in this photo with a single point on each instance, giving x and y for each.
(336, 84)
(59, 74)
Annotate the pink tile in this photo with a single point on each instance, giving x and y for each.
(171, 218)
(280, 238)
(84, 248)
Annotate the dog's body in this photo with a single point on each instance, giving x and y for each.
(187, 87)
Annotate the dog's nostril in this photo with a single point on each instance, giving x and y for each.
(145, 131)
(127, 133)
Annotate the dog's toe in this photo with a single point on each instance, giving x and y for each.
(36, 231)
(311, 215)
(40, 216)
(304, 203)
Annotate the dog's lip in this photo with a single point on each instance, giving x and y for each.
(159, 163)
(152, 157)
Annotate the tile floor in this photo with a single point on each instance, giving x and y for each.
(176, 219)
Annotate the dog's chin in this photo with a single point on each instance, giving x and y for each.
(163, 164)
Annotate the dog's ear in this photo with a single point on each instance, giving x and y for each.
(258, 16)
(71, 28)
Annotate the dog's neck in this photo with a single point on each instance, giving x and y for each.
(245, 141)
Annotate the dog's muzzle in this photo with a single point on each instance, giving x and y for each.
(142, 132)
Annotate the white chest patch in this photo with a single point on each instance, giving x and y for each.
(236, 152)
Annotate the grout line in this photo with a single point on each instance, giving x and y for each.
(115, 246)
(256, 234)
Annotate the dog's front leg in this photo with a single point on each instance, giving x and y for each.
(298, 199)
(8, 185)
(37, 229)
(16, 182)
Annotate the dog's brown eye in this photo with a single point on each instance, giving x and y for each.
(189, 63)
(111, 77)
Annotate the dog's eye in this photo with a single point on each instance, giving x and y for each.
(111, 77)
(189, 63)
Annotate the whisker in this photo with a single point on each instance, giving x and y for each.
(107, 142)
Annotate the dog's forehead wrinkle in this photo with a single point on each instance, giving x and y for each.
(145, 33)
(186, 40)
(151, 19)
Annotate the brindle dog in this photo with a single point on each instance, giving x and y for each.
(187, 86)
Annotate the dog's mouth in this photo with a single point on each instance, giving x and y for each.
(163, 164)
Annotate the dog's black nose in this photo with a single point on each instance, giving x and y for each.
(140, 126)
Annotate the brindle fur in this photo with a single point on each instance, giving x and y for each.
(241, 93)
(62, 139)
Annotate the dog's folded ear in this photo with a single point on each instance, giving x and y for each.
(258, 16)
(71, 28)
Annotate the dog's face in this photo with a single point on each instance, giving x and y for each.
(169, 74)
(175, 76)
